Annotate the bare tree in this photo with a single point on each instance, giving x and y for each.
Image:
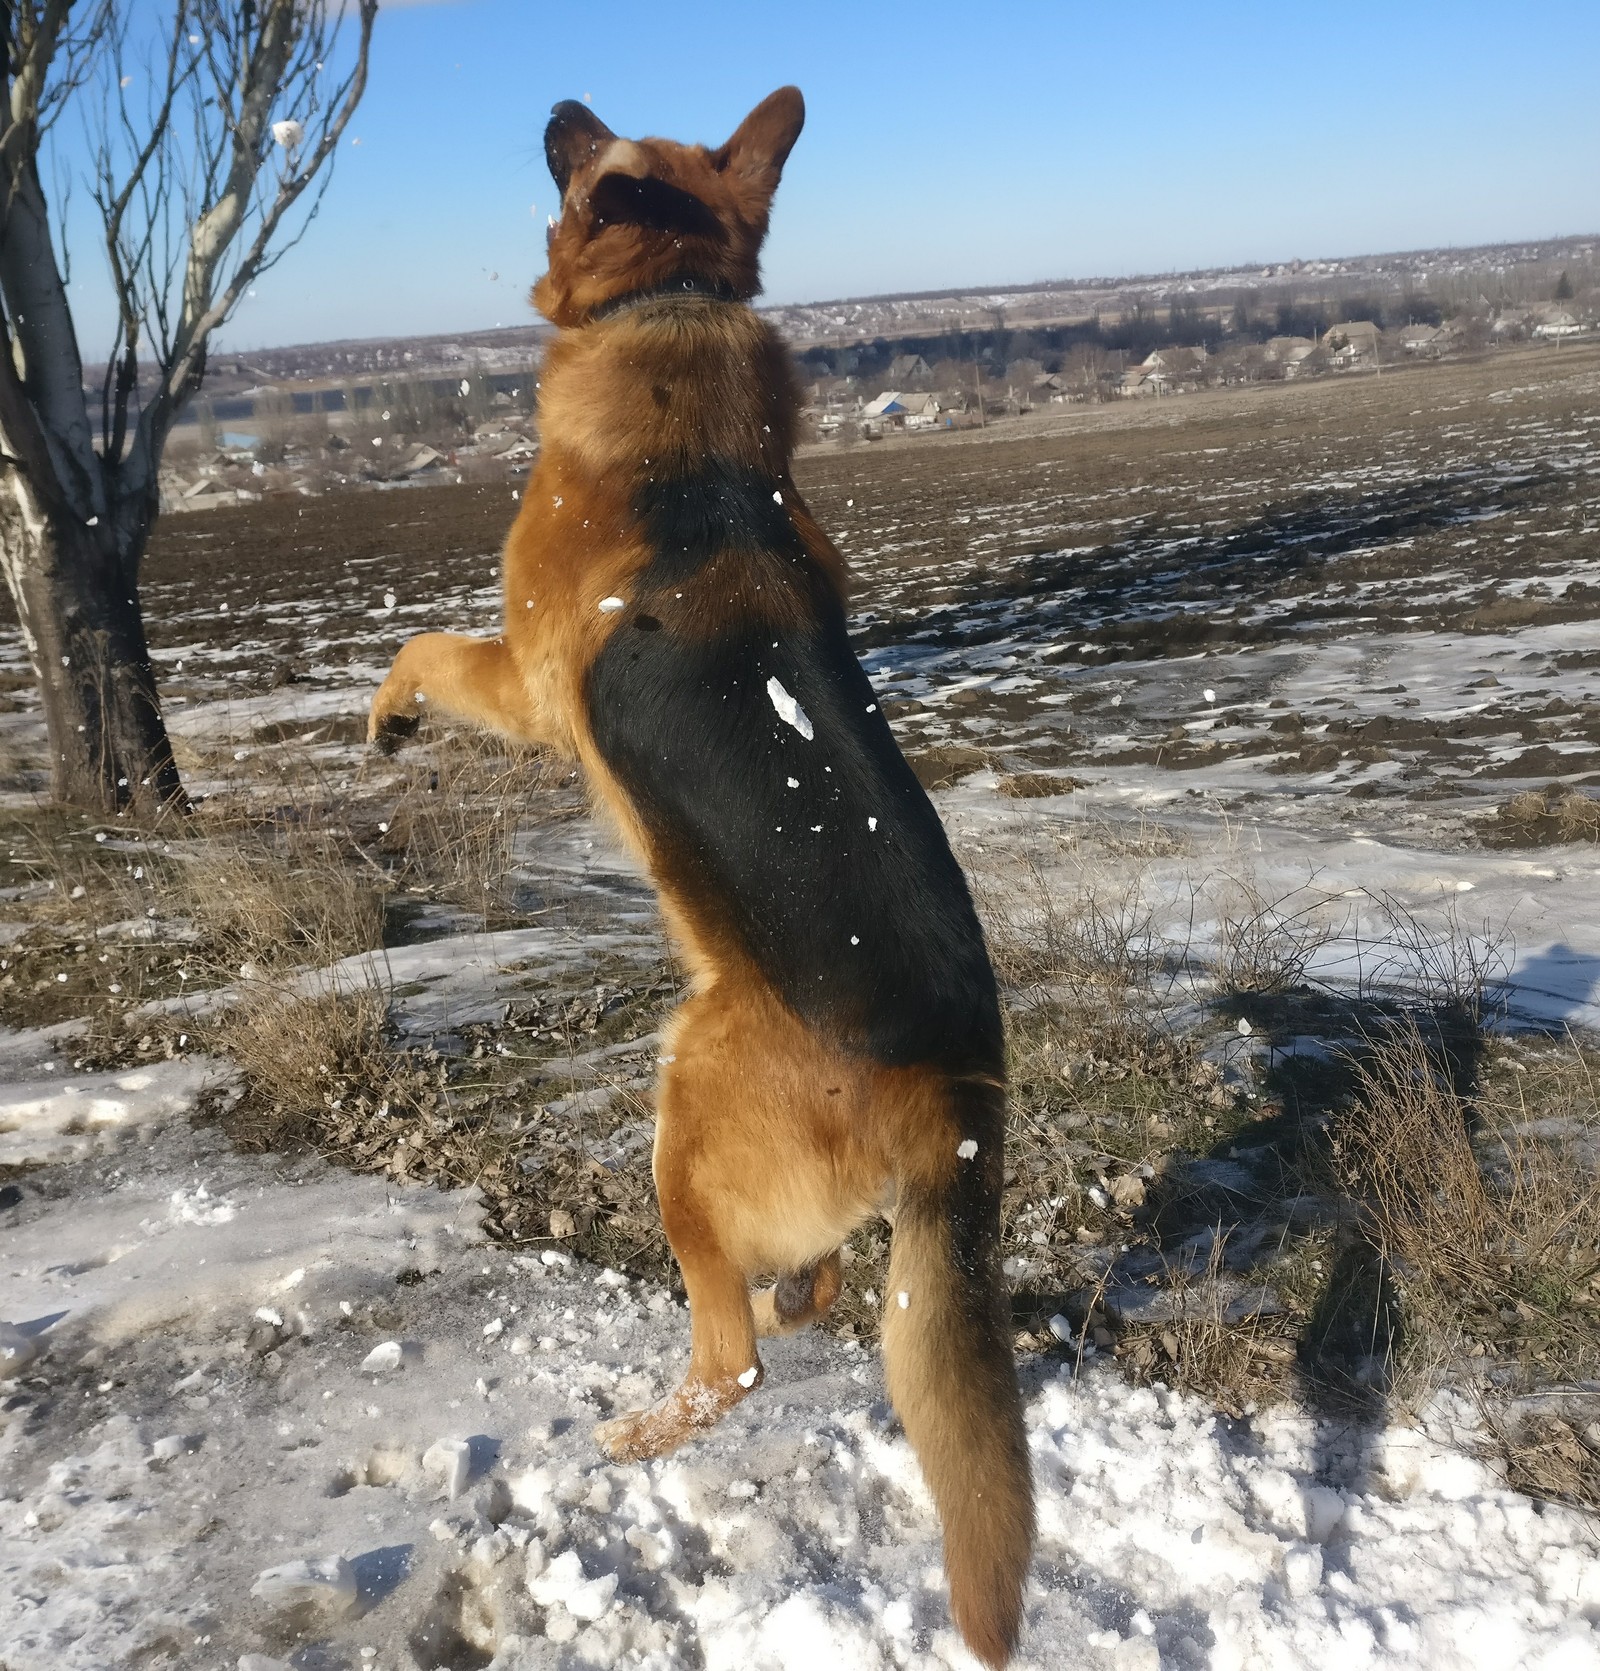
(210, 151)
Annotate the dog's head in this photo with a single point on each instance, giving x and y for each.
(640, 212)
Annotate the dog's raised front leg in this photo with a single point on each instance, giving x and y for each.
(471, 679)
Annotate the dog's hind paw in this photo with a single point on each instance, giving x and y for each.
(634, 1438)
(663, 1427)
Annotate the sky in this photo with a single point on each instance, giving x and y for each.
(947, 143)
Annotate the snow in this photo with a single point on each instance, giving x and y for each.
(43, 1122)
(203, 1463)
(967, 1149)
(609, 606)
(789, 711)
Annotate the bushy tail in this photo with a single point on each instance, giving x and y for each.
(951, 1374)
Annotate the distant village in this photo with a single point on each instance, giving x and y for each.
(390, 414)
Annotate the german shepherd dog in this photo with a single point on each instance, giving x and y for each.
(674, 620)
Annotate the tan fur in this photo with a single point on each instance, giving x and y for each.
(771, 1145)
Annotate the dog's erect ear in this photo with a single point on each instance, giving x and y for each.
(763, 140)
(574, 135)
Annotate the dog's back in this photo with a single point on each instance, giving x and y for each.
(675, 617)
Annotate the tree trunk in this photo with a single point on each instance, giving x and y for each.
(77, 600)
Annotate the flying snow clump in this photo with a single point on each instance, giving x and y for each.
(790, 711)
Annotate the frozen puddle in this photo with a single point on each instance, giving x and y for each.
(300, 1414)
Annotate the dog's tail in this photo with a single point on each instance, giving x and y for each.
(947, 1351)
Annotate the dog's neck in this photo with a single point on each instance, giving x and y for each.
(684, 287)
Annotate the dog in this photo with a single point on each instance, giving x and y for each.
(674, 620)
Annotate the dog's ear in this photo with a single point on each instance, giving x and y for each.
(763, 140)
(574, 135)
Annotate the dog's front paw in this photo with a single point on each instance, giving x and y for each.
(388, 731)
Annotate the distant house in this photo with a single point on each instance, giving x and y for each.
(1556, 324)
(1176, 364)
(1290, 353)
(908, 369)
(1421, 339)
(1138, 380)
(1354, 343)
(899, 410)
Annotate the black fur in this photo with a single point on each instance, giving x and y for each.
(683, 718)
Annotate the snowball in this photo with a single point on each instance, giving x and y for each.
(792, 782)
(967, 1149)
(872, 823)
(287, 134)
(789, 711)
(855, 939)
(1210, 695)
(609, 606)
(905, 1300)
(17, 1350)
(777, 497)
(389, 600)
(747, 1378)
(466, 386)
(324, 1581)
(382, 1358)
(1116, 701)
(451, 1460)
(1245, 1029)
(167, 1448)
(266, 1314)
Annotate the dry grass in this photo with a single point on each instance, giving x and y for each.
(1236, 1362)
(1265, 947)
(1544, 818)
(1481, 1197)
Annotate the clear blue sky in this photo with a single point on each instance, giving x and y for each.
(954, 144)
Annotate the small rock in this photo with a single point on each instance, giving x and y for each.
(327, 1581)
(166, 1449)
(451, 1460)
(562, 1223)
(1061, 1328)
(17, 1350)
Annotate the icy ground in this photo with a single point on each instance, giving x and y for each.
(244, 1364)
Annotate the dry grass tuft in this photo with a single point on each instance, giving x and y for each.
(1547, 817)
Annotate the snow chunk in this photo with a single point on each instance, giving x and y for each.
(451, 1460)
(383, 1357)
(609, 606)
(872, 823)
(789, 711)
(324, 1581)
(747, 1378)
(1245, 1029)
(905, 1300)
(195, 1206)
(967, 1149)
(287, 134)
(564, 1583)
(777, 497)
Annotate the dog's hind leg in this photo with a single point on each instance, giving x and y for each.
(471, 679)
(723, 1366)
(799, 1298)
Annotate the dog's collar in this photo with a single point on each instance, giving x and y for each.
(685, 285)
